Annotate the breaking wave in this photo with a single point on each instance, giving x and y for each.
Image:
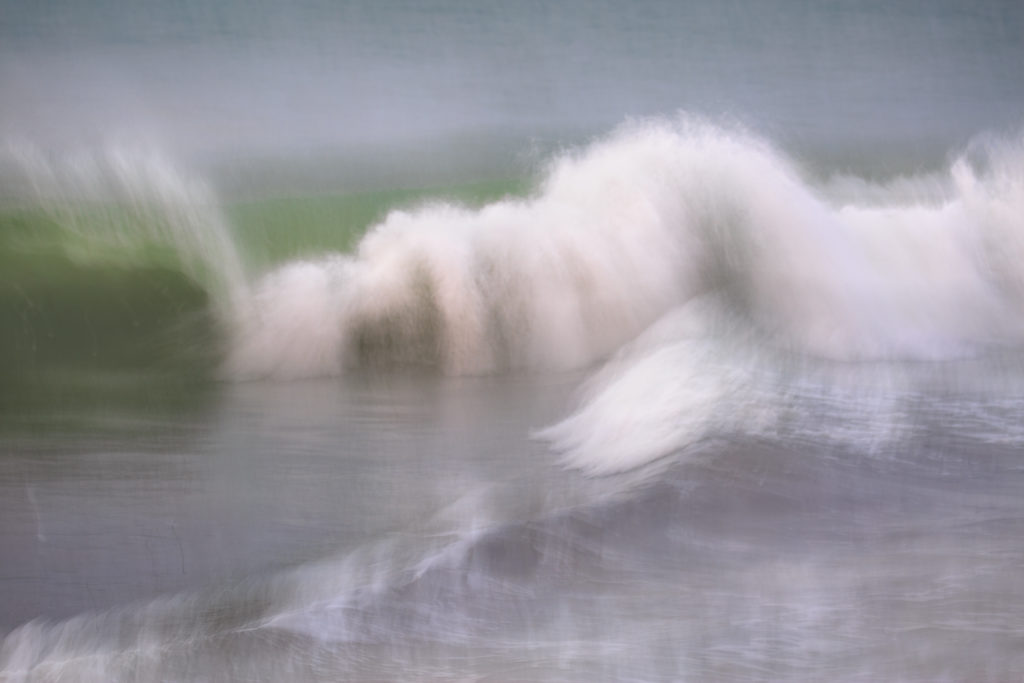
(670, 227)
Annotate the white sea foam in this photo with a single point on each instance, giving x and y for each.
(555, 281)
(635, 225)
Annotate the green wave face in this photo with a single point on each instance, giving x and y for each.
(122, 284)
(272, 231)
(82, 321)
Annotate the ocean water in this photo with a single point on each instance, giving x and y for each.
(581, 341)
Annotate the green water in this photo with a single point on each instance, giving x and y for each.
(278, 229)
(96, 311)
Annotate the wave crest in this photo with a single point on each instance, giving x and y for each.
(636, 224)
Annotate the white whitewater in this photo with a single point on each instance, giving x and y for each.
(635, 225)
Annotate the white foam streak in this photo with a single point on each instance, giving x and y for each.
(669, 389)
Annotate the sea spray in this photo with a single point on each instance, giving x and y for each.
(621, 232)
(554, 281)
(114, 262)
(118, 204)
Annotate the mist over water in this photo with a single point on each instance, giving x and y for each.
(574, 341)
(231, 79)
